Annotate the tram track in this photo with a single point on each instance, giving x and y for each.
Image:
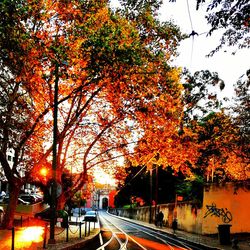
(126, 234)
(117, 235)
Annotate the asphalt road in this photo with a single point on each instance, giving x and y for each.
(120, 234)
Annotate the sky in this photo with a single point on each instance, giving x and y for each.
(103, 178)
(230, 67)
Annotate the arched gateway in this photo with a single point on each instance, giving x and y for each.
(104, 201)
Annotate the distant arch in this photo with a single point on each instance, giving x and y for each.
(104, 202)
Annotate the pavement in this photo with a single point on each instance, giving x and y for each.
(91, 231)
(30, 235)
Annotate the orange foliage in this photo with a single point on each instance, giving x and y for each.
(223, 150)
(113, 89)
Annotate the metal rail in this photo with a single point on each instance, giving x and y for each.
(168, 241)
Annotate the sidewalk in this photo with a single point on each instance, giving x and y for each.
(30, 236)
(209, 241)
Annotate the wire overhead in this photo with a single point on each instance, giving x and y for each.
(192, 34)
(189, 14)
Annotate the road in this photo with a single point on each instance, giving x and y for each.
(120, 234)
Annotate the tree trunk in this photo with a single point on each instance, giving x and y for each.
(8, 220)
(61, 200)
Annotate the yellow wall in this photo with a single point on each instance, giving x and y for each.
(189, 218)
(221, 202)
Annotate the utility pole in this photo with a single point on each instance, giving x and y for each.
(54, 161)
(156, 188)
(150, 194)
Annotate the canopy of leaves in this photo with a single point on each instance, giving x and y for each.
(241, 116)
(220, 139)
(114, 78)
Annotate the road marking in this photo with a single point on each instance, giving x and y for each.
(101, 241)
(123, 246)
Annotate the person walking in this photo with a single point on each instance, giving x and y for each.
(174, 225)
(160, 218)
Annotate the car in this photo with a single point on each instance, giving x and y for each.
(20, 201)
(1, 213)
(29, 198)
(38, 196)
(90, 216)
(2, 195)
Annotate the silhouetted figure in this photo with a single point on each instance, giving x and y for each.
(174, 225)
(160, 218)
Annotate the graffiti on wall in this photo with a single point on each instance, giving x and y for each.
(222, 213)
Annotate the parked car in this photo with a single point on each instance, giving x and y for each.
(2, 195)
(20, 201)
(31, 198)
(90, 216)
(38, 196)
(1, 213)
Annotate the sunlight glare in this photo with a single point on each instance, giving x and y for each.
(103, 178)
(32, 234)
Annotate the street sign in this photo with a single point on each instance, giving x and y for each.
(179, 198)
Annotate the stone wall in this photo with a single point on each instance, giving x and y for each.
(189, 216)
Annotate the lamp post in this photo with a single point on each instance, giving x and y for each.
(156, 189)
(54, 161)
(150, 195)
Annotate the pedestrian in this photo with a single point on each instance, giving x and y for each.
(174, 225)
(160, 218)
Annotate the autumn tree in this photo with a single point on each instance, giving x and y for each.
(241, 114)
(17, 120)
(218, 136)
(239, 111)
(137, 185)
(114, 83)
